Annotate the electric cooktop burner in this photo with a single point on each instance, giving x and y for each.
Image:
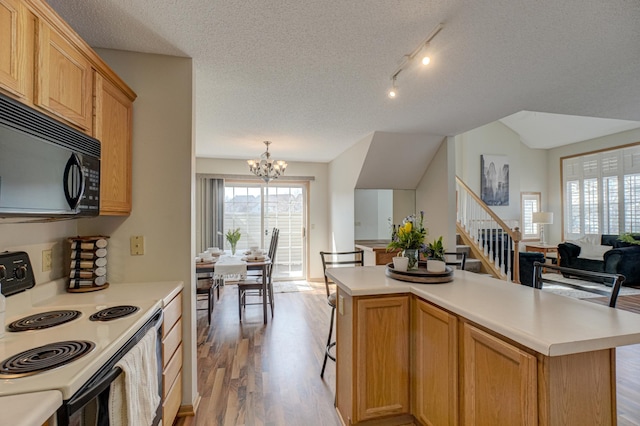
(44, 358)
(114, 312)
(43, 320)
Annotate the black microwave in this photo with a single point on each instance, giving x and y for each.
(47, 169)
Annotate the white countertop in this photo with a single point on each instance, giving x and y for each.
(547, 323)
(32, 409)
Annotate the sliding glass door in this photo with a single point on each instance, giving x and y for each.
(258, 208)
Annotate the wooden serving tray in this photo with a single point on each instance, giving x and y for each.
(421, 275)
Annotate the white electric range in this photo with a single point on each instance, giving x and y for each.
(82, 379)
(107, 337)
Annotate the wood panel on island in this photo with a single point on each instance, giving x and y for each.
(456, 372)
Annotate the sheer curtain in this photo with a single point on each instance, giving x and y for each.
(210, 209)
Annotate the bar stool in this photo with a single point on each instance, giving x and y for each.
(331, 260)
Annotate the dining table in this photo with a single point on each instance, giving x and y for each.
(233, 265)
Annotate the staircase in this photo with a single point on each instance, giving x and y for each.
(471, 264)
(491, 245)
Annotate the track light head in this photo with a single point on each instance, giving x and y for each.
(426, 60)
(393, 91)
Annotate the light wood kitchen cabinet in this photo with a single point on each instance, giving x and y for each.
(499, 380)
(15, 48)
(113, 128)
(64, 79)
(377, 385)
(434, 364)
(172, 360)
(46, 65)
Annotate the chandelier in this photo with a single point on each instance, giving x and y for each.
(266, 168)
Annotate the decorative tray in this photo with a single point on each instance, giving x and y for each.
(421, 275)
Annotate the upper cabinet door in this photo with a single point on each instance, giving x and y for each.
(113, 128)
(13, 49)
(63, 79)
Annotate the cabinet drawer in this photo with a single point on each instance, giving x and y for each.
(171, 403)
(171, 343)
(171, 372)
(172, 312)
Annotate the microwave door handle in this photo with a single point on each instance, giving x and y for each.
(74, 181)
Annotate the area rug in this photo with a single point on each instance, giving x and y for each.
(290, 286)
(579, 294)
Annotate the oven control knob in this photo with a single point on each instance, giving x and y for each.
(20, 272)
(3, 272)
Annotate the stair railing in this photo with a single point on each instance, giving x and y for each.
(498, 244)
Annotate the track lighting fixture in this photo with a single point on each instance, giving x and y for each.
(407, 59)
(394, 90)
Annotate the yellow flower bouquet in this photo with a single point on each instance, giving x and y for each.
(410, 238)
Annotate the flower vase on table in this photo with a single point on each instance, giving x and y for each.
(412, 255)
(232, 237)
(409, 237)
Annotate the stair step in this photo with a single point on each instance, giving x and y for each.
(461, 248)
(472, 265)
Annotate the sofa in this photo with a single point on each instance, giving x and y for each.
(603, 253)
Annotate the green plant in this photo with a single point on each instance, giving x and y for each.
(435, 250)
(410, 235)
(629, 237)
(233, 236)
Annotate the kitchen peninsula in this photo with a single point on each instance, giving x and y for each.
(375, 252)
(473, 351)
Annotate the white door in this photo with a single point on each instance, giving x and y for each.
(258, 208)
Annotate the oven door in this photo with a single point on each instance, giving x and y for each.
(90, 405)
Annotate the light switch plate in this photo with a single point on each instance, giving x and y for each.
(46, 260)
(341, 305)
(137, 245)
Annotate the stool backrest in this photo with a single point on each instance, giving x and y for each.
(339, 259)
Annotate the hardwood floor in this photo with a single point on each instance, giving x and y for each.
(255, 374)
(252, 374)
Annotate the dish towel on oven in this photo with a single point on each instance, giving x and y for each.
(133, 397)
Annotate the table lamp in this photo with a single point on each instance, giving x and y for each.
(542, 218)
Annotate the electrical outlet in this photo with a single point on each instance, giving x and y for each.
(137, 245)
(46, 260)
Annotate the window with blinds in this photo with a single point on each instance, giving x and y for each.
(530, 204)
(256, 209)
(601, 192)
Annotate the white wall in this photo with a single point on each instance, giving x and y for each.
(554, 156)
(343, 175)
(435, 195)
(35, 237)
(162, 188)
(318, 229)
(528, 168)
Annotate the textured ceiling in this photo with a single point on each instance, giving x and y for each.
(311, 76)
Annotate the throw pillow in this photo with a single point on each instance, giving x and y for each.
(593, 252)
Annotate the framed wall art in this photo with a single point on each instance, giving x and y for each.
(494, 180)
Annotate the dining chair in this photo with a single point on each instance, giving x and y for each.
(205, 286)
(275, 235)
(455, 259)
(252, 285)
(335, 260)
